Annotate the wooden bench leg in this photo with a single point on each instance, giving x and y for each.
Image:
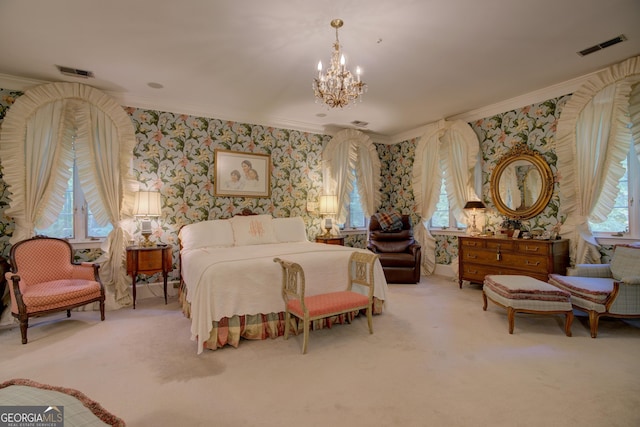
(484, 301)
(567, 323)
(511, 316)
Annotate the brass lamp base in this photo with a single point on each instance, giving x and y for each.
(146, 243)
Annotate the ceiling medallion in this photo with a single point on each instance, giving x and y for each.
(337, 87)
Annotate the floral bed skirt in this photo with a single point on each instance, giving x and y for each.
(229, 330)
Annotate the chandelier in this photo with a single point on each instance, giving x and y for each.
(337, 87)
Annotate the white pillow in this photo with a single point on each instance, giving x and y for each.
(253, 230)
(214, 233)
(290, 229)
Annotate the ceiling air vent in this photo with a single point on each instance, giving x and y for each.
(360, 123)
(602, 45)
(74, 72)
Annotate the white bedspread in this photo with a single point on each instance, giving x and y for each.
(239, 280)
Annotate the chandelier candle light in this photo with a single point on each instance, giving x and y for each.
(337, 87)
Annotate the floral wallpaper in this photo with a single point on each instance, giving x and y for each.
(535, 126)
(175, 155)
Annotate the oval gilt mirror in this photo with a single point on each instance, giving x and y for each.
(521, 183)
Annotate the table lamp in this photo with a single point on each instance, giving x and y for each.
(328, 206)
(146, 205)
(474, 205)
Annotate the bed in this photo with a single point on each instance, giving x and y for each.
(231, 287)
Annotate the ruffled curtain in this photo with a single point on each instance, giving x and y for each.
(38, 170)
(37, 152)
(458, 159)
(426, 180)
(449, 150)
(106, 184)
(351, 149)
(594, 134)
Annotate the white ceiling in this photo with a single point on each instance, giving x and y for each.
(254, 60)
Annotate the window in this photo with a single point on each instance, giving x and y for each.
(625, 215)
(355, 213)
(76, 222)
(443, 217)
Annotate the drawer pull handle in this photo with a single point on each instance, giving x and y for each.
(532, 263)
(531, 249)
(472, 256)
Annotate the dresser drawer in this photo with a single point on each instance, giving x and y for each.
(533, 247)
(507, 259)
(535, 258)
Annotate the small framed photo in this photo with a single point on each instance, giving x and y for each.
(238, 174)
(516, 234)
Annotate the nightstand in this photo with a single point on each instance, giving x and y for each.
(331, 240)
(151, 260)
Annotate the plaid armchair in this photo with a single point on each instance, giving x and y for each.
(44, 279)
(605, 289)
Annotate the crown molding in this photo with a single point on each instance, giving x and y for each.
(540, 95)
(564, 88)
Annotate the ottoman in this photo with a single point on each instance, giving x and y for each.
(527, 295)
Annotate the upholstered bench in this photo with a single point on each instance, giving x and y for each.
(527, 295)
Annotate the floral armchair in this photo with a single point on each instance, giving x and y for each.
(611, 290)
(44, 279)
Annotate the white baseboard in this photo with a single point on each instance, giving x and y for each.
(154, 290)
(444, 270)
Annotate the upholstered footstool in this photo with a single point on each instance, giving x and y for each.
(527, 295)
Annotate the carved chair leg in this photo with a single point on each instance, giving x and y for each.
(102, 310)
(24, 324)
(68, 313)
(484, 301)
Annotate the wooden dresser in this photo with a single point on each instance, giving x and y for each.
(479, 256)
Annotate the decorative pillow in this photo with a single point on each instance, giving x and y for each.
(253, 230)
(389, 221)
(625, 262)
(214, 233)
(290, 230)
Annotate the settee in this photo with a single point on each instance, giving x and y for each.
(611, 290)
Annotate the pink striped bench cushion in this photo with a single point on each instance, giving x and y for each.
(333, 302)
(518, 287)
(594, 289)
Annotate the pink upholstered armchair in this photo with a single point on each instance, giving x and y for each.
(44, 279)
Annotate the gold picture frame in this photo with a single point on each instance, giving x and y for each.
(240, 174)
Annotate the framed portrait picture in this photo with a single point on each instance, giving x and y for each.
(239, 174)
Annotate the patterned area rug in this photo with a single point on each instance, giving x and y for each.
(26, 392)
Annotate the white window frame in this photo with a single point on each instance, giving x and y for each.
(347, 228)
(633, 232)
(80, 238)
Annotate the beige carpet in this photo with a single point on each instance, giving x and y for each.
(435, 359)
